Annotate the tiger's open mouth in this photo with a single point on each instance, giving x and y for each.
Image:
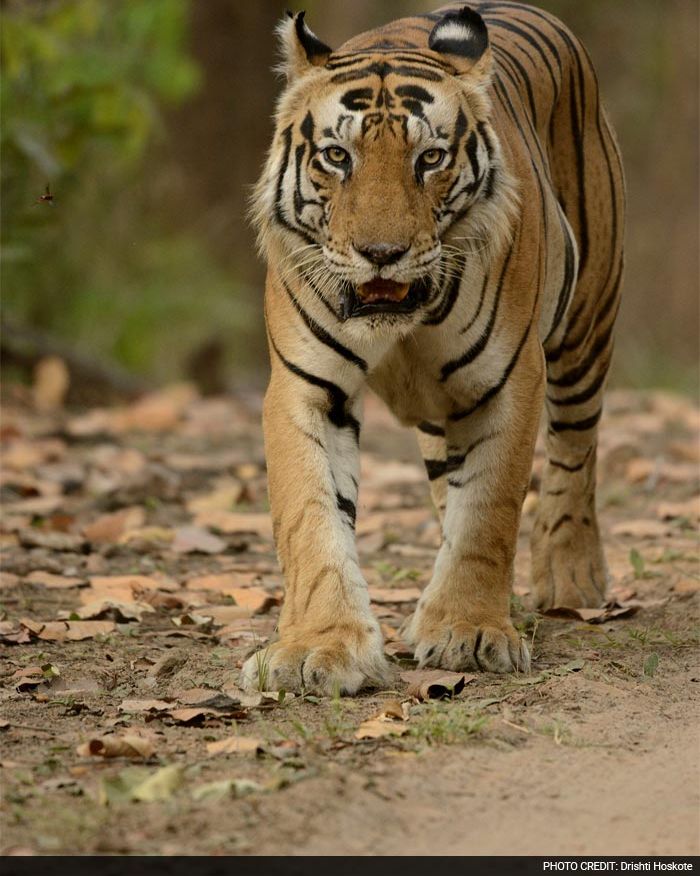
(382, 296)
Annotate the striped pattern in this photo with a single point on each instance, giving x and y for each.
(510, 243)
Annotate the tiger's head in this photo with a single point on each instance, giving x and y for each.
(385, 175)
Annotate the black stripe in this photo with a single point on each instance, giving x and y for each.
(383, 69)
(279, 215)
(324, 336)
(565, 518)
(567, 285)
(337, 414)
(480, 344)
(440, 313)
(573, 375)
(430, 428)
(482, 296)
(525, 78)
(455, 461)
(578, 425)
(347, 506)
(497, 387)
(585, 394)
(509, 26)
(435, 468)
(571, 468)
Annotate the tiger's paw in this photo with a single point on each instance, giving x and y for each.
(571, 575)
(466, 644)
(341, 660)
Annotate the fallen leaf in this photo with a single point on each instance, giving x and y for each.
(114, 610)
(572, 666)
(132, 706)
(641, 529)
(394, 594)
(686, 586)
(54, 582)
(400, 520)
(110, 527)
(431, 684)
(137, 783)
(235, 745)
(375, 728)
(128, 745)
(689, 510)
(53, 541)
(224, 498)
(194, 539)
(205, 697)
(125, 588)
(230, 522)
(71, 631)
(397, 648)
(168, 664)
(192, 716)
(593, 615)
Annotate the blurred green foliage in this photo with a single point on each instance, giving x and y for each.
(83, 86)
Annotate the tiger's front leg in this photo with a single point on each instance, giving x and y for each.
(329, 640)
(463, 617)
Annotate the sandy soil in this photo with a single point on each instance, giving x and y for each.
(150, 520)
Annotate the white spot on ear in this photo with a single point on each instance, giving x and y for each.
(453, 30)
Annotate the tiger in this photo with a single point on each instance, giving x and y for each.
(441, 212)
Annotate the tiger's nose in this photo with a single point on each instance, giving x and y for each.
(382, 253)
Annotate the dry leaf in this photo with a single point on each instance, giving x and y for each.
(375, 728)
(224, 498)
(160, 785)
(112, 609)
(53, 541)
(209, 698)
(230, 522)
(110, 527)
(145, 706)
(593, 615)
(53, 582)
(397, 648)
(686, 586)
(235, 745)
(193, 539)
(393, 594)
(400, 520)
(641, 529)
(128, 745)
(168, 664)
(432, 684)
(689, 510)
(71, 631)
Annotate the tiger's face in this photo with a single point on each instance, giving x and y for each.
(381, 162)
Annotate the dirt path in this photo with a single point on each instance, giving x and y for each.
(138, 573)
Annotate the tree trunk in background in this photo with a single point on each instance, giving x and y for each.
(220, 138)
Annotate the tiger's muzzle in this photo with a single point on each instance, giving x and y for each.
(383, 296)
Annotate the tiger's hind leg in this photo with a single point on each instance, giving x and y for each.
(568, 565)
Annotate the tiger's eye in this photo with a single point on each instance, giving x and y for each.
(336, 155)
(432, 157)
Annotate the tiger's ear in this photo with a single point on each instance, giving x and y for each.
(461, 36)
(302, 50)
